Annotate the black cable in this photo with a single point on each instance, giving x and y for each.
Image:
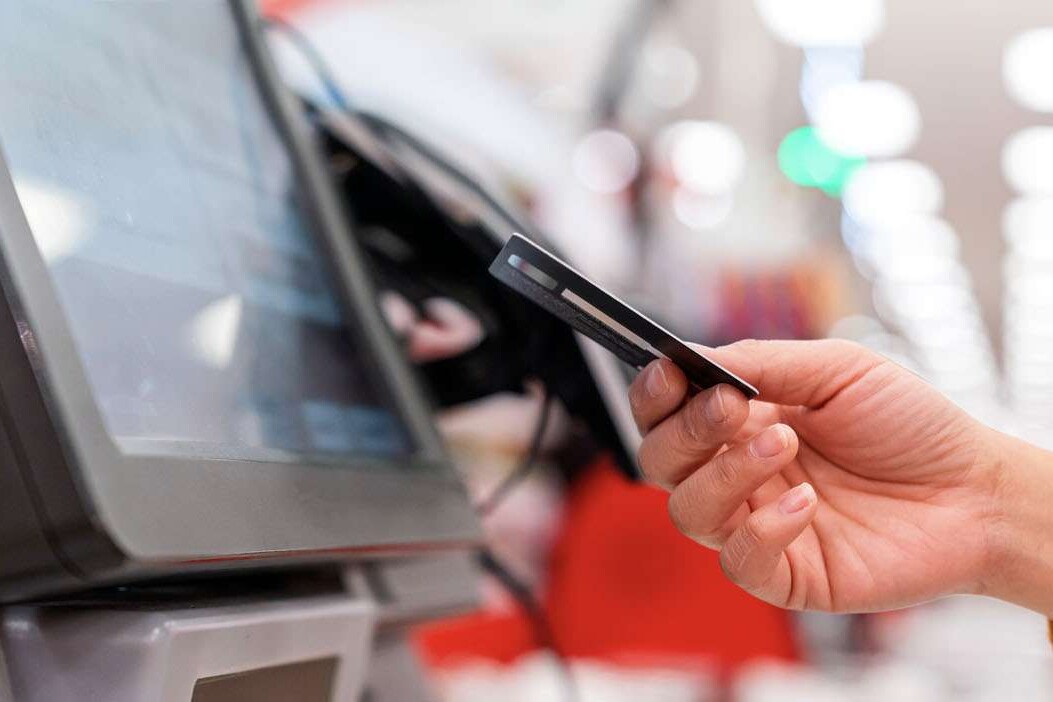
(519, 590)
(491, 564)
(313, 57)
(526, 464)
(524, 597)
(385, 128)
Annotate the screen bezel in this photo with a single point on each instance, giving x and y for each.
(174, 511)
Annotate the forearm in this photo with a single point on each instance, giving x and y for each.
(1021, 532)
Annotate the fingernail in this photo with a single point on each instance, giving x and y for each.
(770, 442)
(656, 383)
(801, 497)
(715, 411)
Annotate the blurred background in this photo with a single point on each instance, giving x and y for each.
(878, 170)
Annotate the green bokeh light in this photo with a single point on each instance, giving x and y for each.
(807, 161)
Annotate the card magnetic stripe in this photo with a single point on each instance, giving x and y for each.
(554, 304)
(700, 371)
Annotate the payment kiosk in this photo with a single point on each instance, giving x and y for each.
(219, 480)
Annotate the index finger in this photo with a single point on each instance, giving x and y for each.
(657, 392)
(807, 373)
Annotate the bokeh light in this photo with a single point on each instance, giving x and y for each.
(706, 157)
(827, 67)
(605, 161)
(869, 118)
(1027, 69)
(701, 211)
(1028, 225)
(896, 238)
(671, 75)
(823, 22)
(1027, 158)
(881, 189)
(806, 160)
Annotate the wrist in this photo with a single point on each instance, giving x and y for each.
(1020, 529)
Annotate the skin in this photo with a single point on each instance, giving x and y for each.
(849, 485)
(446, 330)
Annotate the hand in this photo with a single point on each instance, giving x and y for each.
(850, 485)
(449, 329)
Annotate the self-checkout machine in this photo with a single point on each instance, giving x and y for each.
(219, 480)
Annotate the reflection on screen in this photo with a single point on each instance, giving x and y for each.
(162, 200)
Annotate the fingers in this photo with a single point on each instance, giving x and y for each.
(808, 373)
(398, 312)
(658, 390)
(692, 435)
(713, 498)
(449, 329)
(753, 556)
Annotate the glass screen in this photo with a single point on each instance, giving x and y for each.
(163, 201)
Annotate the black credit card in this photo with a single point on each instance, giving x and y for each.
(556, 287)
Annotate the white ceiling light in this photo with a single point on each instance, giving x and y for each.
(869, 118)
(1028, 223)
(1026, 69)
(924, 269)
(706, 157)
(823, 22)
(893, 239)
(927, 301)
(1027, 158)
(826, 67)
(671, 75)
(1031, 290)
(878, 190)
(605, 161)
(700, 211)
(855, 327)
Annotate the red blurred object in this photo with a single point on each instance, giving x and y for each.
(625, 587)
(282, 7)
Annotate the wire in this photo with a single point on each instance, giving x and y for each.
(490, 563)
(310, 53)
(526, 465)
(515, 587)
(385, 128)
(524, 597)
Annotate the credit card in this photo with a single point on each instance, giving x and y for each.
(631, 336)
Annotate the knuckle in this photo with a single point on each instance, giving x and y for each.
(732, 559)
(750, 346)
(690, 425)
(689, 517)
(724, 472)
(752, 532)
(652, 466)
(848, 349)
(740, 547)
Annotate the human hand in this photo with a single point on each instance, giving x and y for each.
(851, 484)
(448, 329)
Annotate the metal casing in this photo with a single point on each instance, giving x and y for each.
(81, 512)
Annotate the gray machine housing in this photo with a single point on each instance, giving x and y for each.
(80, 513)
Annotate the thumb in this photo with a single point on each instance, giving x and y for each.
(753, 556)
(808, 373)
